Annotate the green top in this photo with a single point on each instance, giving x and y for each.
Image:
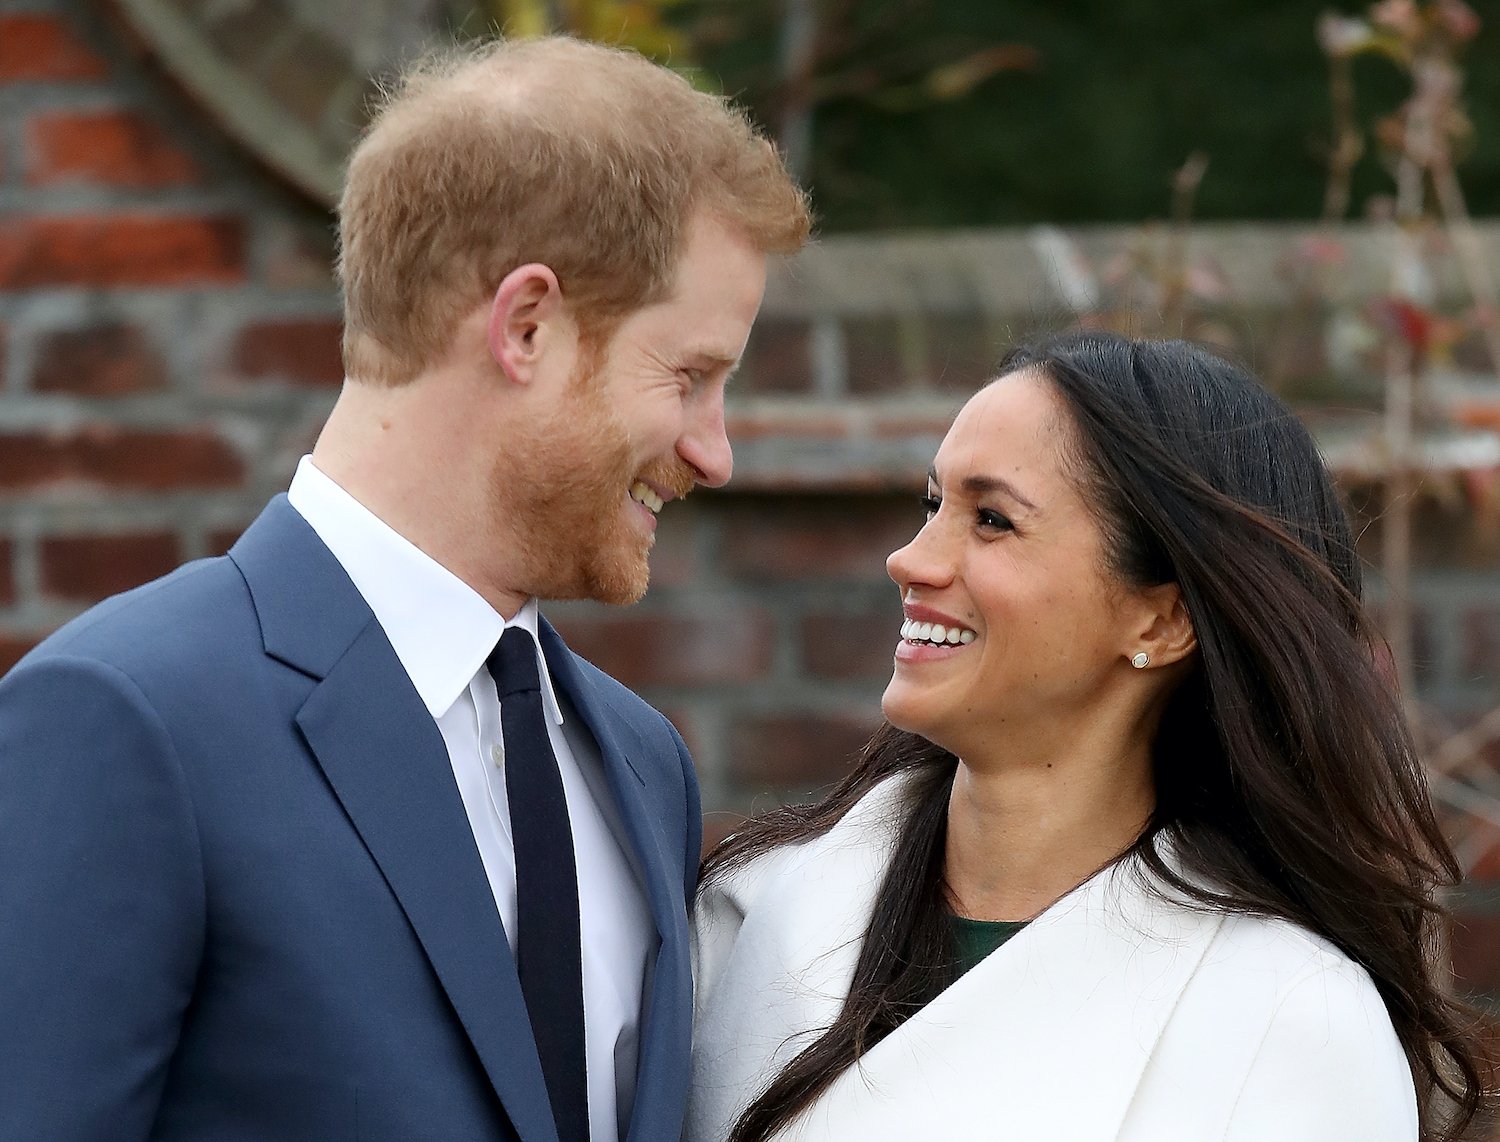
(975, 939)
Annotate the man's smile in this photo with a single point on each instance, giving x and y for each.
(642, 494)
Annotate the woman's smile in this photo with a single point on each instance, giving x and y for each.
(931, 636)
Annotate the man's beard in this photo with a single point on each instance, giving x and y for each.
(566, 488)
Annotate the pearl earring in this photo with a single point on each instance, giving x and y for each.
(1141, 660)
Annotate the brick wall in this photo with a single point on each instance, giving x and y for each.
(169, 348)
(168, 324)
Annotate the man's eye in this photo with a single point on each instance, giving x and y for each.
(930, 505)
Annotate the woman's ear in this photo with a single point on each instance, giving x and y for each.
(524, 316)
(1166, 633)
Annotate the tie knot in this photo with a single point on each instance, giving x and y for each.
(513, 663)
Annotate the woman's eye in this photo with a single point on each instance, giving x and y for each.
(930, 505)
(994, 520)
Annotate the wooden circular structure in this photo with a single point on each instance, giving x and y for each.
(291, 80)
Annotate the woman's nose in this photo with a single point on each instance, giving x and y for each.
(925, 561)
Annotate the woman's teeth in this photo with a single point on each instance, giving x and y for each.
(936, 634)
(644, 496)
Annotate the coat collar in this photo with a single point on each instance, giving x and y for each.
(1100, 970)
(309, 611)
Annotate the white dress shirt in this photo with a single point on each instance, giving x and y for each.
(442, 631)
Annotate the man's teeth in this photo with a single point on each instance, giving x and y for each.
(936, 633)
(641, 494)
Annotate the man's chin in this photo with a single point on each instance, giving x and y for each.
(623, 584)
(617, 582)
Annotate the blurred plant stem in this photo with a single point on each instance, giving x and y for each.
(1185, 185)
(798, 58)
(1348, 145)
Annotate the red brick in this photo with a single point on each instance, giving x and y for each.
(742, 425)
(1478, 412)
(120, 250)
(304, 351)
(14, 647)
(718, 824)
(961, 354)
(7, 573)
(297, 257)
(1480, 837)
(89, 567)
(1423, 638)
(674, 557)
(733, 645)
(876, 355)
(789, 751)
(687, 726)
(100, 361)
(900, 427)
(817, 537)
(116, 458)
(857, 645)
(104, 148)
(38, 47)
(1475, 946)
(1481, 645)
(778, 358)
(221, 539)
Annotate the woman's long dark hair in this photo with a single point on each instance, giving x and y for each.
(1285, 773)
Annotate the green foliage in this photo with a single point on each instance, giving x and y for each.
(639, 24)
(1091, 127)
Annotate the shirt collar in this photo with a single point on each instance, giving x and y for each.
(441, 629)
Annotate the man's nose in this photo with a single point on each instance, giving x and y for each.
(705, 446)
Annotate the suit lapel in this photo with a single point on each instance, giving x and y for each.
(666, 1002)
(385, 759)
(625, 781)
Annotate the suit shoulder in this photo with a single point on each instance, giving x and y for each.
(187, 616)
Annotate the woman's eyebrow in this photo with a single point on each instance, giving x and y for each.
(978, 485)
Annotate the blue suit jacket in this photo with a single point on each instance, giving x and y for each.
(239, 895)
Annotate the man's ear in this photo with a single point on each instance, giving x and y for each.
(525, 317)
(1166, 635)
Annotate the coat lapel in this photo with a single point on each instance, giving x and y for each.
(775, 946)
(1085, 990)
(665, 1004)
(385, 759)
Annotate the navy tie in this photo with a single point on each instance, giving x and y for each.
(548, 946)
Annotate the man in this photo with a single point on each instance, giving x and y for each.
(333, 838)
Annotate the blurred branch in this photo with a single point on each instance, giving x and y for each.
(1185, 185)
(798, 59)
(1348, 145)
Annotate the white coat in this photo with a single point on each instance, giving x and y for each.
(1114, 1015)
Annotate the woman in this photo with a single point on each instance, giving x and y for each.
(1144, 852)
